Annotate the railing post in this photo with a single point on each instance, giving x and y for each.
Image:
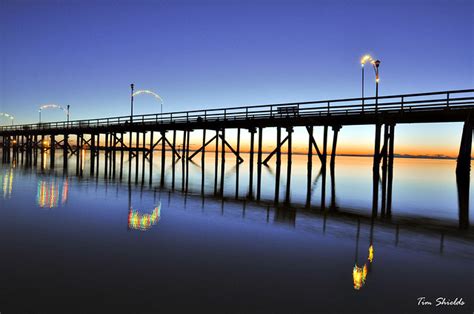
(447, 99)
(329, 105)
(246, 112)
(225, 114)
(403, 100)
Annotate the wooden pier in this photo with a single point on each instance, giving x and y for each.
(137, 137)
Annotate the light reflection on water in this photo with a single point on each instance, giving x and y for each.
(6, 177)
(422, 188)
(143, 221)
(287, 258)
(50, 191)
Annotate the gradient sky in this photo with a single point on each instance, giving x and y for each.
(207, 54)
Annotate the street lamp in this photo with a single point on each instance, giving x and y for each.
(131, 103)
(8, 116)
(376, 65)
(53, 106)
(363, 61)
(157, 97)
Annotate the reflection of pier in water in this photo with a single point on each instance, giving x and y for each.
(402, 231)
(121, 137)
(285, 208)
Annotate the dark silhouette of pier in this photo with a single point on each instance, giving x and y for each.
(128, 135)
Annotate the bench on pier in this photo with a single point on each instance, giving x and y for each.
(288, 111)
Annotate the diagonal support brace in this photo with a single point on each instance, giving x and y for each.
(240, 159)
(172, 148)
(315, 145)
(200, 149)
(265, 162)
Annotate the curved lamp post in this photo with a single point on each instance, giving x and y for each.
(363, 61)
(8, 116)
(54, 106)
(143, 91)
(375, 63)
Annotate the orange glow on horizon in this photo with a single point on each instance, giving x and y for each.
(347, 144)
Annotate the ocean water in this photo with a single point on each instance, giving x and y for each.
(72, 241)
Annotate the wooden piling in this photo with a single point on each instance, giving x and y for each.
(52, 150)
(376, 175)
(92, 154)
(252, 140)
(222, 162)
(163, 158)
(137, 152)
(122, 148)
(259, 162)
(150, 159)
(203, 161)
(187, 158)
(216, 161)
(183, 162)
(237, 166)
(289, 130)
(106, 155)
(384, 168)
(390, 169)
(173, 159)
(144, 157)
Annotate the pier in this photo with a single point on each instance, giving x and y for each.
(137, 137)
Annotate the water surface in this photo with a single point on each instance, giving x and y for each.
(68, 244)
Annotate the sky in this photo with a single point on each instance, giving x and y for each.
(209, 54)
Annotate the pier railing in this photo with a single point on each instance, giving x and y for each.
(433, 101)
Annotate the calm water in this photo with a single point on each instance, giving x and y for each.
(91, 244)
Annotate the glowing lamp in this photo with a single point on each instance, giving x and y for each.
(365, 59)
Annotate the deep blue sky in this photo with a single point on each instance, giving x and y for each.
(199, 54)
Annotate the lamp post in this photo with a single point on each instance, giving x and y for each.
(363, 61)
(146, 91)
(131, 103)
(7, 116)
(376, 65)
(68, 106)
(39, 111)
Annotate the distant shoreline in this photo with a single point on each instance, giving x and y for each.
(404, 156)
(303, 154)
